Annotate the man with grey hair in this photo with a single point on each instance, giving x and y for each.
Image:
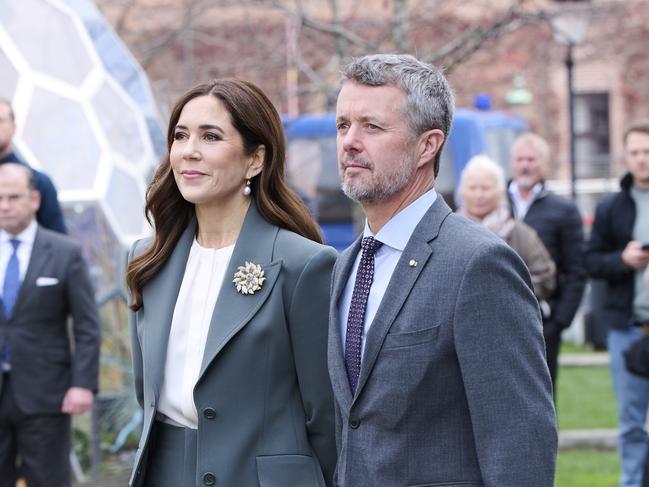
(435, 348)
(558, 223)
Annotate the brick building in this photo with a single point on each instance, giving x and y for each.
(269, 42)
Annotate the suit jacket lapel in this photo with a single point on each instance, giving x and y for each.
(234, 310)
(41, 254)
(159, 296)
(401, 284)
(336, 359)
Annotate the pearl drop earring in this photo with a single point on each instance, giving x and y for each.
(247, 190)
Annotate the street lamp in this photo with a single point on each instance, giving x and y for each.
(569, 25)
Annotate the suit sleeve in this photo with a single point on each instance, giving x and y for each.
(136, 349)
(308, 324)
(87, 335)
(501, 353)
(572, 273)
(603, 257)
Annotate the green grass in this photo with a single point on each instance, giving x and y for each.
(567, 347)
(585, 398)
(587, 468)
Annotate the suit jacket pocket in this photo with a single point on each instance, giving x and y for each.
(285, 470)
(410, 338)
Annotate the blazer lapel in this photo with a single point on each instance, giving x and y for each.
(41, 254)
(159, 296)
(337, 367)
(234, 310)
(401, 284)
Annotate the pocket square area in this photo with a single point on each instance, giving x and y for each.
(46, 281)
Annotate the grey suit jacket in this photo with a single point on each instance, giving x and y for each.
(263, 395)
(44, 364)
(453, 388)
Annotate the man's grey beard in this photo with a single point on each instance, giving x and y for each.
(526, 182)
(382, 187)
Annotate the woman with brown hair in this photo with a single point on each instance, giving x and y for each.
(229, 306)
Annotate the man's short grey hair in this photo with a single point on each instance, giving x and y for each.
(538, 143)
(429, 98)
(484, 163)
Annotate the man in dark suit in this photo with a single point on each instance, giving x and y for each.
(557, 221)
(49, 213)
(45, 377)
(435, 347)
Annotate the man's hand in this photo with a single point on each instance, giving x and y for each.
(634, 257)
(77, 400)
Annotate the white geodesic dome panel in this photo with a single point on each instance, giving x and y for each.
(86, 116)
(84, 110)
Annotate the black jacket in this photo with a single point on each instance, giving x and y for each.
(49, 214)
(612, 231)
(558, 223)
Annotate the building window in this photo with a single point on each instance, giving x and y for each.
(592, 148)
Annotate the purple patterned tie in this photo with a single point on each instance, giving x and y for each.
(356, 317)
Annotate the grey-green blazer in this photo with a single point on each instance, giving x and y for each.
(263, 396)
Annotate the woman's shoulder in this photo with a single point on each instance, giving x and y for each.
(289, 246)
(523, 231)
(139, 246)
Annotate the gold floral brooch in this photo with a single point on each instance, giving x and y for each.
(248, 278)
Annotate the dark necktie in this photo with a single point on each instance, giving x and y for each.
(356, 317)
(10, 289)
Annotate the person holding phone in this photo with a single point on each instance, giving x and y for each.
(616, 253)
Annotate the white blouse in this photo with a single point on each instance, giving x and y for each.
(190, 324)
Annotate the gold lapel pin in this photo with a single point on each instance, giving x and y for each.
(412, 263)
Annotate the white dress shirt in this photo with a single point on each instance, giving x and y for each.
(521, 204)
(394, 235)
(190, 325)
(24, 251)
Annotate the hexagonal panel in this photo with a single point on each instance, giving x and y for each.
(102, 249)
(120, 123)
(125, 202)
(57, 50)
(8, 77)
(60, 137)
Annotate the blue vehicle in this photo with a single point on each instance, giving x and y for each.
(312, 167)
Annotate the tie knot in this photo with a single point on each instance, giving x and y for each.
(370, 245)
(15, 242)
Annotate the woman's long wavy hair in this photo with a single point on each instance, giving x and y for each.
(255, 118)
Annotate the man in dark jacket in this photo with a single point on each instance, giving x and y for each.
(49, 214)
(558, 223)
(615, 254)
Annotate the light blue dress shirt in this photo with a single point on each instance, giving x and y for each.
(394, 235)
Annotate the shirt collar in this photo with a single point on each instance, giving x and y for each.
(536, 189)
(26, 236)
(398, 230)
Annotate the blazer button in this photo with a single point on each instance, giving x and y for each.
(354, 423)
(209, 478)
(209, 413)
